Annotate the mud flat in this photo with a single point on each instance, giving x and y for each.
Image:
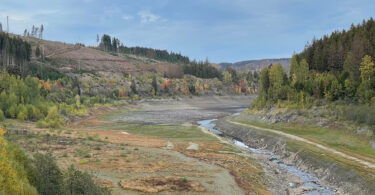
(186, 110)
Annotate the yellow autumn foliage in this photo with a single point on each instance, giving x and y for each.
(13, 179)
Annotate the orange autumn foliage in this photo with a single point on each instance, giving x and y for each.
(47, 86)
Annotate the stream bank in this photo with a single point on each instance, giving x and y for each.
(292, 180)
(333, 175)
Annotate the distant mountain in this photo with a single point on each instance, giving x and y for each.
(257, 65)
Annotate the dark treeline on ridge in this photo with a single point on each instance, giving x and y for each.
(198, 69)
(14, 53)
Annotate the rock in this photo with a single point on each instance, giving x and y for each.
(273, 158)
(365, 131)
(192, 146)
(293, 178)
(362, 130)
(169, 146)
(300, 190)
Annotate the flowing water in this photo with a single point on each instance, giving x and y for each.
(309, 181)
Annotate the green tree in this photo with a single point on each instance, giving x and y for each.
(48, 176)
(293, 66)
(133, 87)
(81, 183)
(277, 79)
(277, 76)
(13, 175)
(350, 88)
(264, 81)
(367, 69)
(154, 85)
(37, 52)
(227, 77)
(2, 117)
(349, 65)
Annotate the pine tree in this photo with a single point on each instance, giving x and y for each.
(37, 52)
(41, 31)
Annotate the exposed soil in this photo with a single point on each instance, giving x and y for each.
(158, 184)
(122, 161)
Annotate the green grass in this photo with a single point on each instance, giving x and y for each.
(344, 140)
(175, 132)
(109, 116)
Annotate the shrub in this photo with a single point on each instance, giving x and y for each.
(360, 113)
(83, 161)
(136, 97)
(184, 180)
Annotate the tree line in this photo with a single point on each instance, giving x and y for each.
(201, 69)
(15, 53)
(341, 51)
(114, 45)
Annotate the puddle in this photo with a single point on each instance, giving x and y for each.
(309, 181)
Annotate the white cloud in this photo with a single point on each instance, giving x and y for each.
(147, 17)
(26, 15)
(127, 17)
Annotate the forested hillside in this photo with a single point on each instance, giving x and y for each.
(198, 69)
(336, 67)
(341, 51)
(15, 53)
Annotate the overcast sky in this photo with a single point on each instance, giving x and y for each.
(222, 30)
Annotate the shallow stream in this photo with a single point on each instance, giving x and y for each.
(309, 181)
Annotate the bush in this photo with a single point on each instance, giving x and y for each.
(363, 114)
